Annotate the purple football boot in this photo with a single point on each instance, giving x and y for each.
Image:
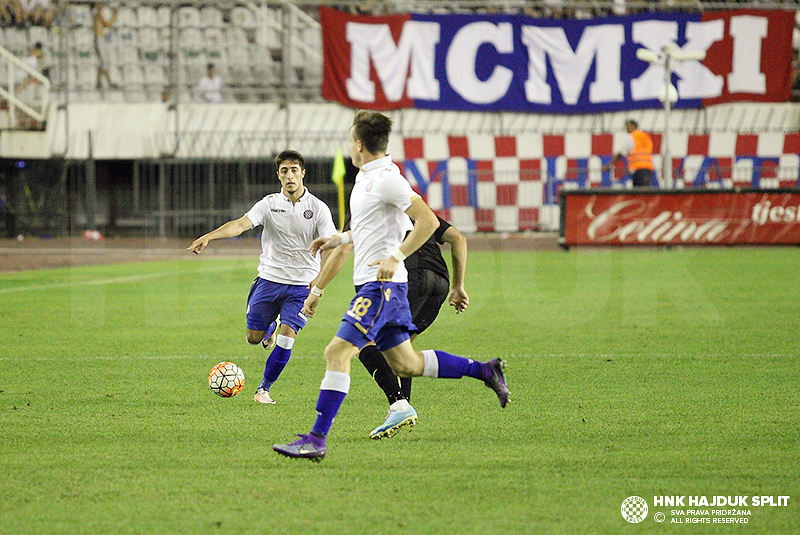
(308, 446)
(496, 380)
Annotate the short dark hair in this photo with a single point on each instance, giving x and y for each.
(372, 129)
(290, 156)
(634, 123)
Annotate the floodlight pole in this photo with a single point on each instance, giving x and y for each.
(666, 163)
(668, 53)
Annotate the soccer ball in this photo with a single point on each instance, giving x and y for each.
(226, 379)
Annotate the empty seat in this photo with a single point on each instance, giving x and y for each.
(214, 38)
(190, 38)
(128, 37)
(132, 77)
(126, 18)
(147, 16)
(85, 75)
(211, 17)
(235, 36)
(193, 72)
(150, 39)
(164, 16)
(263, 68)
(242, 17)
(81, 15)
(152, 47)
(238, 55)
(239, 71)
(192, 45)
(154, 76)
(82, 44)
(126, 50)
(189, 17)
(16, 41)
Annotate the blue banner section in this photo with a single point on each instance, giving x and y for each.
(490, 55)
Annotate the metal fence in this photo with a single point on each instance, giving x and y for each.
(164, 198)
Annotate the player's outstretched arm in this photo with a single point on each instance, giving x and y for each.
(458, 297)
(228, 230)
(323, 244)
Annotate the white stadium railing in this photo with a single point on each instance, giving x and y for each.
(31, 104)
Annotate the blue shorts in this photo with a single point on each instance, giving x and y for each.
(378, 313)
(268, 299)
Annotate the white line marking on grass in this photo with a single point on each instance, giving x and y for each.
(114, 280)
(150, 357)
(108, 357)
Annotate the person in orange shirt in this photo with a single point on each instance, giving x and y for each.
(639, 149)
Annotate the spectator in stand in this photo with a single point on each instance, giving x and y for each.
(210, 86)
(11, 13)
(40, 13)
(368, 7)
(34, 61)
(103, 37)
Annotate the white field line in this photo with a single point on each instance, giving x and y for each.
(80, 251)
(98, 282)
(511, 358)
(152, 357)
(110, 251)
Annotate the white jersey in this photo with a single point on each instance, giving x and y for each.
(210, 89)
(289, 229)
(378, 220)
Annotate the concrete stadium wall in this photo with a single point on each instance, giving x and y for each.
(130, 131)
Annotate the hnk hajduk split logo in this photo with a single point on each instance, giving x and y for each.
(634, 509)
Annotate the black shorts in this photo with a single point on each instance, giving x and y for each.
(427, 291)
(642, 178)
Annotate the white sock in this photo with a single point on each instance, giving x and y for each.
(400, 405)
(284, 341)
(431, 363)
(338, 381)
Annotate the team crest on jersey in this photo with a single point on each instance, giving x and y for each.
(369, 185)
(308, 214)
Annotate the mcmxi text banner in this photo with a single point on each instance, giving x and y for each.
(517, 63)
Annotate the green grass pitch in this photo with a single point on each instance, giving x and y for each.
(632, 372)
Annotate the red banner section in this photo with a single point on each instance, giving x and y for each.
(338, 78)
(768, 217)
(753, 68)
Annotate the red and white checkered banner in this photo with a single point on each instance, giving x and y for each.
(511, 183)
